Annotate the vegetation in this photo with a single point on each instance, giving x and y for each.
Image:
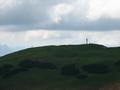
(70, 70)
(96, 68)
(5, 69)
(82, 76)
(66, 67)
(36, 64)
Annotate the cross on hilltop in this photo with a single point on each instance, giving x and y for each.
(87, 42)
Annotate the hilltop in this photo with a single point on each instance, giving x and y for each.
(65, 67)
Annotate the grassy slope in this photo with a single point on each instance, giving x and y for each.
(37, 79)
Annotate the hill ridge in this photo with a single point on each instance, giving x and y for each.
(63, 67)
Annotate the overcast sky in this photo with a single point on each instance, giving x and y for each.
(26, 23)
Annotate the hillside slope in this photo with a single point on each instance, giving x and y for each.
(66, 67)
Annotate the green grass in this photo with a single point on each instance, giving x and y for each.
(80, 55)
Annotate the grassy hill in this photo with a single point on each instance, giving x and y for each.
(66, 67)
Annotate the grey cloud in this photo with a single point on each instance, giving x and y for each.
(27, 12)
(33, 14)
(100, 24)
(23, 14)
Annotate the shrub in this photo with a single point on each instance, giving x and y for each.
(7, 66)
(37, 64)
(14, 72)
(117, 63)
(25, 66)
(28, 64)
(46, 65)
(5, 69)
(82, 76)
(96, 68)
(70, 70)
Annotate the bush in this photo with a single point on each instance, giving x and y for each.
(37, 64)
(5, 69)
(14, 72)
(28, 64)
(7, 66)
(96, 68)
(82, 76)
(46, 65)
(23, 67)
(70, 70)
(117, 63)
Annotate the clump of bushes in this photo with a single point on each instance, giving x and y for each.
(37, 64)
(46, 65)
(117, 63)
(96, 68)
(82, 76)
(70, 70)
(14, 71)
(5, 69)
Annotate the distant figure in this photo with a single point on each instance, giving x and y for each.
(86, 40)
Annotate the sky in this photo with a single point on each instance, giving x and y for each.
(32, 23)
